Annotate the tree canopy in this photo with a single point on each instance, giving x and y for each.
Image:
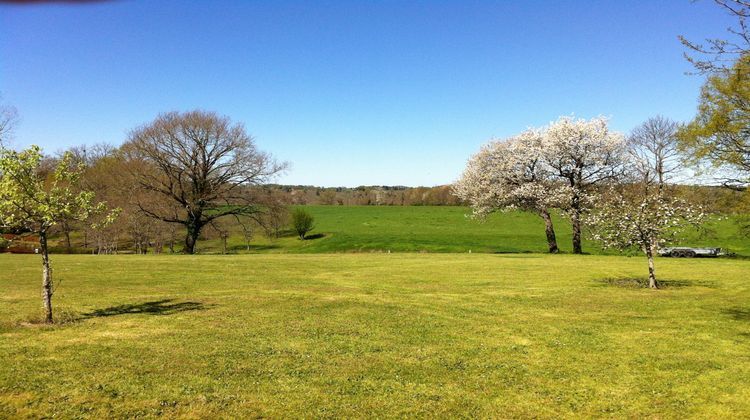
(720, 132)
(199, 164)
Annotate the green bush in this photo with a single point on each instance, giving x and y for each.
(302, 222)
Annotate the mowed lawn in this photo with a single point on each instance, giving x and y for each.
(444, 229)
(375, 335)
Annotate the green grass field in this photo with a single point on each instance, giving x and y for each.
(443, 229)
(375, 335)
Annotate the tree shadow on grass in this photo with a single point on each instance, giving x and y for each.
(156, 307)
(315, 236)
(738, 313)
(253, 248)
(642, 282)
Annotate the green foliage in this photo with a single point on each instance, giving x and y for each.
(410, 336)
(719, 133)
(32, 200)
(302, 222)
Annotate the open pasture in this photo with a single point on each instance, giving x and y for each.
(444, 229)
(381, 335)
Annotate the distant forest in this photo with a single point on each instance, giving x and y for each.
(367, 195)
(713, 198)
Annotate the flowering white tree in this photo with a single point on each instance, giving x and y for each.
(511, 174)
(582, 153)
(632, 219)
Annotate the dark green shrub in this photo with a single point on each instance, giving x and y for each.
(302, 222)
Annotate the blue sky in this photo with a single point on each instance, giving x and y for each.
(350, 92)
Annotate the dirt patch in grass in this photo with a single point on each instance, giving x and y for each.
(642, 283)
(61, 317)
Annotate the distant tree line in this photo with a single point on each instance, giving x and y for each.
(368, 195)
(715, 198)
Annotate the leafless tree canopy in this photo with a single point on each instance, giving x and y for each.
(200, 163)
(653, 146)
(8, 120)
(717, 54)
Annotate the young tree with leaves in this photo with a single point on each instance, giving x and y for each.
(302, 222)
(33, 202)
(720, 133)
(631, 219)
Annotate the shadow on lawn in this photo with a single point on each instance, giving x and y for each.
(157, 307)
(642, 282)
(253, 247)
(739, 314)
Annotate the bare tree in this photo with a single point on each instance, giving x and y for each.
(8, 121)
(654, 148)
(222, 228)
(717, 54)
(247, 229)
(203, 164)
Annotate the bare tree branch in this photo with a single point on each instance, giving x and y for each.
(202, 163)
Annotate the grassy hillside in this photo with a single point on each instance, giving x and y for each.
(442, 229)
(405, 335)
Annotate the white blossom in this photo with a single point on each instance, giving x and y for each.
(641, 217)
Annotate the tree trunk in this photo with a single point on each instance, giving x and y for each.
(652, 283)
(575, 218)
(550, 231)
(46, 278)
(193, 231)
(66, 233)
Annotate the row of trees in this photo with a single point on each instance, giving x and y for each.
(620, 187)
(555, 167)
(369, 195)
(615, 185)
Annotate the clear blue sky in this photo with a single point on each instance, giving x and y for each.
(350, 92)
